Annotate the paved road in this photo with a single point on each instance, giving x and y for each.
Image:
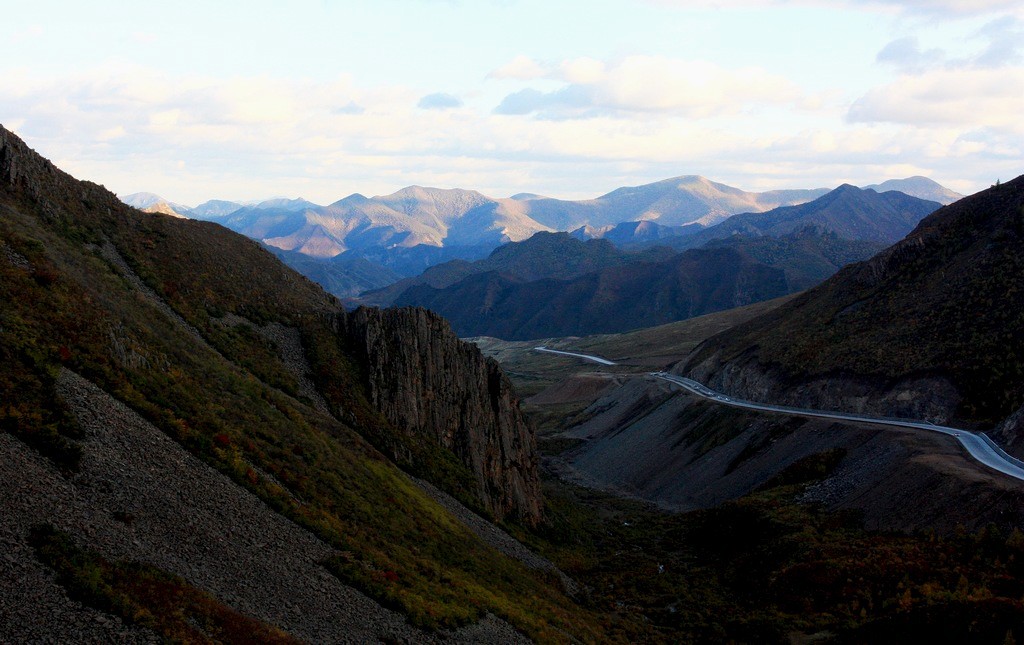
(588, 357)
(978, 446)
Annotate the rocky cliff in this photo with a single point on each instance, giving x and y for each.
(428, 382)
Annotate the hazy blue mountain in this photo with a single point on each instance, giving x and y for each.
(920, 187)
(671, 202)
(215, 208)
(642, 233)
(344, 275)
(849, 212)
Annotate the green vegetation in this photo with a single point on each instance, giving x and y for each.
(767, 569)
(229, 400)
(146, 596)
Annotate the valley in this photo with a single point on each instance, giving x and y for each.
(570, 323)
(208, 395)
(656, 461)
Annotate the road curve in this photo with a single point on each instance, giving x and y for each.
(978, 445)
(588, 357)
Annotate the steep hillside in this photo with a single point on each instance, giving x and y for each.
(610, 300)
(625, 296)
(344, 275)
(849, 212)
(428, 383)
(932, 327)
(545, 255)
(806, 256)
(114, 322)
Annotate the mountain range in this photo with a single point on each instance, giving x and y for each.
(558, 285)
(403, 232)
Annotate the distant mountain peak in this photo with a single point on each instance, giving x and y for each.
(918, 186)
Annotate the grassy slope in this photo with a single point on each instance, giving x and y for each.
(948, 300)
(236, 408)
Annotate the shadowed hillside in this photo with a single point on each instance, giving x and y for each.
(631, 295)
(931, 327)
(144, 353)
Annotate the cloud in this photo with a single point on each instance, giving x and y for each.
(349, 108)
(1005, 38)
(439, 101)
(936, 8)
(965, 97)
(522, 68)
(906, 54)
(192, 138)
(1003, 46)
(652, 84)
(574, 99)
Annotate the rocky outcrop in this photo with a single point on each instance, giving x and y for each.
(1010, 433)
(426, 381)
(931, 398)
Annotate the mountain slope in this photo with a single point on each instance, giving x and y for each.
(848, 211)
(258, 375)
(931, 327)
(343, 275)
(630, 291)
(545, 255)
(670, 202)
(609, 300)
(920, 187)
(407, 218)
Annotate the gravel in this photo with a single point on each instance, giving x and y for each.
(15, 258)
(187, 519)
(110, 254)
(288, 341)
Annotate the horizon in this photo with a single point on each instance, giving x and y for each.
(251, 201)
(326, 98)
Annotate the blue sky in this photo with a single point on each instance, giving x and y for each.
(321, 98)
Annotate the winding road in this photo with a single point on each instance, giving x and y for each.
(978, 445)
(588, 357)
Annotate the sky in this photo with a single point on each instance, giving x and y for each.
(324, 98)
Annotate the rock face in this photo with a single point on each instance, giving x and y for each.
(932, 398)
(426, 381)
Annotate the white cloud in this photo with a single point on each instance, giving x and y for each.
(906, 54)
(653, 84)
(951, 8)
(521, 68)
(965, 97)
(195, 138)
(439, 101)
(581, 70)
